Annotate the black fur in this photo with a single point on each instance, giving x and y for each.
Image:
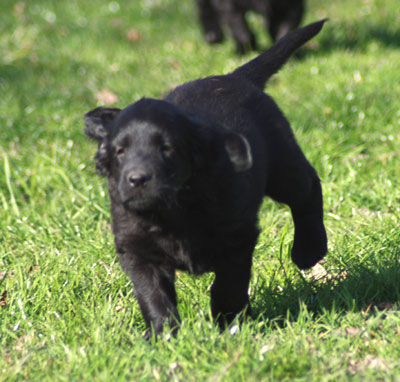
(281, 16)
(186, 178)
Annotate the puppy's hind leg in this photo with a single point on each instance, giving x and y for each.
(229, 292)
(296, 184)
(209, 21)
(234, 19)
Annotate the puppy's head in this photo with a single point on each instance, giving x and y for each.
(152, 150)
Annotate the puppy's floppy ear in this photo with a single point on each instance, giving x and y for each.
(239, 152)
(98, 122)
(98, 126)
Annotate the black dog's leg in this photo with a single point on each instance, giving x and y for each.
(229, 292)
(209, 22)
(310, 242)
(283, 16)
(296, 184)
(234, 19)
(245, 40)
(155, 291)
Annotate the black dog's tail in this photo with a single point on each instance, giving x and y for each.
(259, 70)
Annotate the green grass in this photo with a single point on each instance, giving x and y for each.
(67, 311)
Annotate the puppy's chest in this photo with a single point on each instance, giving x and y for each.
(192, 250)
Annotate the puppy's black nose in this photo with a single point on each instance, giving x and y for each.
(137, 178)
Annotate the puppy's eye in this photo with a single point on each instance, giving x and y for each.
(167, 150)
(120, 151)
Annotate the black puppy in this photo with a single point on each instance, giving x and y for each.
(281, 16)
(187, 175)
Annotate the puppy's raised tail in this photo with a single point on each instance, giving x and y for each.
(259, 70)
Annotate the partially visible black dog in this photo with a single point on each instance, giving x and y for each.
(187, 175)
(281, 16)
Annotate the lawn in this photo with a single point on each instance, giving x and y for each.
(67, 311)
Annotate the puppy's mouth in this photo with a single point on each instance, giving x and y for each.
(140, 205)
(147, 201)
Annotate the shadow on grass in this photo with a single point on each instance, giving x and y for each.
(349, 37)
(359, 36)
(354, 37)
(358, 289)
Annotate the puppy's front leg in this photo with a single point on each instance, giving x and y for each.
(155, 291)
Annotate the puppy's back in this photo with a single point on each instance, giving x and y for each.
(223, 97)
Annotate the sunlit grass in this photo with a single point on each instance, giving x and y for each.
(67, 311)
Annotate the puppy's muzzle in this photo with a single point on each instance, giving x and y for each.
(137, 178)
